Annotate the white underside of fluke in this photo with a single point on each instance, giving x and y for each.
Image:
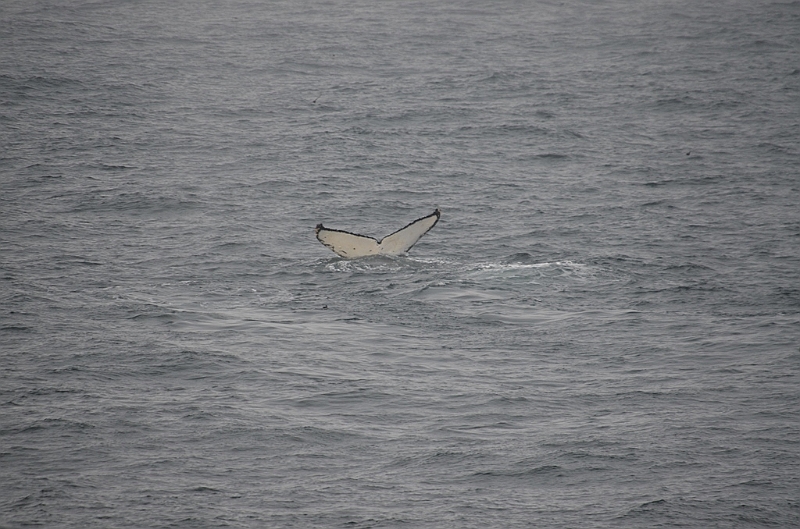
(351, 245)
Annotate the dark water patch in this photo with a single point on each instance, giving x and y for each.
(186, 364)
(520, 257)
(135, 204)
(107, 167)
(16, 328)
(690, 268)
(62, 262)
(555, 471)
(54, 426)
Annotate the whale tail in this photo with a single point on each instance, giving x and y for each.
(351, 245)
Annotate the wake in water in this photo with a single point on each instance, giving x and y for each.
(476, 271)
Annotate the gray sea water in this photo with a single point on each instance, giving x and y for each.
(601, 331)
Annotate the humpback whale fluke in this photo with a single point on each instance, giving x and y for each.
(346, 244)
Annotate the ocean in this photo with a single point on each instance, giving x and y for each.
(603, 329)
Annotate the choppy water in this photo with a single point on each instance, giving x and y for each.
(601, 331)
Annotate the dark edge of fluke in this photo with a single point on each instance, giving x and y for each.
(436, 212)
